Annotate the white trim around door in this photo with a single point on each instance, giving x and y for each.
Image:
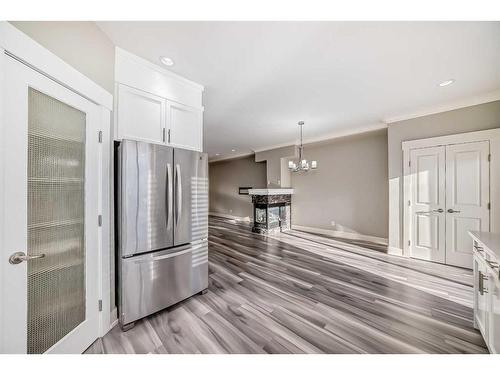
(25, 49)
(492, 136)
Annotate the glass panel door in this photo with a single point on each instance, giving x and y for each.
(56, 220)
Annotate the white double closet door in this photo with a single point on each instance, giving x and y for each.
(450, 195)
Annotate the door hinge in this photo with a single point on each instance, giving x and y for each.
(99, 136)
(99, 220)
(100, 305)
(409, 242)
(489, 157)
(409, 163)
(409, 203)
(489, 206)
(168, 135)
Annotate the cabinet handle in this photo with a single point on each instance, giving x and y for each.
(495, 267)
(168, 135)
(492, 264)
(481, 288)
(163, 134)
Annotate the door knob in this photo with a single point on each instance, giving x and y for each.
(19, 257)
(452, 211)
(440, 210)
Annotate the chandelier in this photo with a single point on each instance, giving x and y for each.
(303, 164)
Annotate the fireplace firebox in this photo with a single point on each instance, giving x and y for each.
(271, 210)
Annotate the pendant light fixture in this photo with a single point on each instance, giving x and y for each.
(302, 164)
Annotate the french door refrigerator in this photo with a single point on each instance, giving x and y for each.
(162, 222)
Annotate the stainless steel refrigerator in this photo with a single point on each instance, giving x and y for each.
(162, 222)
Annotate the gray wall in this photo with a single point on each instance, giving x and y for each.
(350, 186)
(474, 118)
(278, 175)
(80, 43)
(225, 177)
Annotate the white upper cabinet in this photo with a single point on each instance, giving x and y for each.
(185, 126)
(140, 115)
(153, 104)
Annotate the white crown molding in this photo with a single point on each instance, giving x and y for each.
(329, 136)
(457, 104)
(120, 51)
(31, 53)
(229, 157)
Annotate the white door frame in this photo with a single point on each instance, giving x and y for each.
(493, 136)
(27, 51)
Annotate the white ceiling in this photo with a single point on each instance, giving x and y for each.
(261, 78)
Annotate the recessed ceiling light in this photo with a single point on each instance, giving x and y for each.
(166, 61)
(233, 150)
(447, 82)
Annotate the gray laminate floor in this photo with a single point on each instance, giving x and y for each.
(302, 293)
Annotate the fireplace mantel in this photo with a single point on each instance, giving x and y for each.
(270, 191)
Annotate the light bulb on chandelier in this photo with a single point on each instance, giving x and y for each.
(302, 165)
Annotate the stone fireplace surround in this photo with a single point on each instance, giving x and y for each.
(272, 210)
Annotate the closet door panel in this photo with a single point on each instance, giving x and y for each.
(467, 198)
(428, 199)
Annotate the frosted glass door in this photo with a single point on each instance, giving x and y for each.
(56, 226)
(50, 239)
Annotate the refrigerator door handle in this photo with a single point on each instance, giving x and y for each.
(178, 192)
(169, 194)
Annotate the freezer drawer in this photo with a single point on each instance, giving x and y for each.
(154, 281)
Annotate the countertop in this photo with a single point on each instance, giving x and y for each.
(489, 240)
(277, 191)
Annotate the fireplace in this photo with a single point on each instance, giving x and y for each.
(271, 210)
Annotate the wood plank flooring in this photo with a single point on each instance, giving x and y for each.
(301, 293)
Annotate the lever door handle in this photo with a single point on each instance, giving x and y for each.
(19, 257)
(440, 210)
(452, 211)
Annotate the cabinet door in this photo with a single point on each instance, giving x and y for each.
(480, 295)
(494, 311)
(185, 126)
(141, 115)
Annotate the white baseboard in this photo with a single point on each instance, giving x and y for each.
(114, 318)
(395, 251)
(346, 235)
(115, 322)
(246, 219)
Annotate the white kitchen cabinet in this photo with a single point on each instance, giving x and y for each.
(494, 311)
(480, 292)
(140, 115)
(486, 255)
(184, 126)
(156, 105)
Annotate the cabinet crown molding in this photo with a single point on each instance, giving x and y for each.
(134, 71)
